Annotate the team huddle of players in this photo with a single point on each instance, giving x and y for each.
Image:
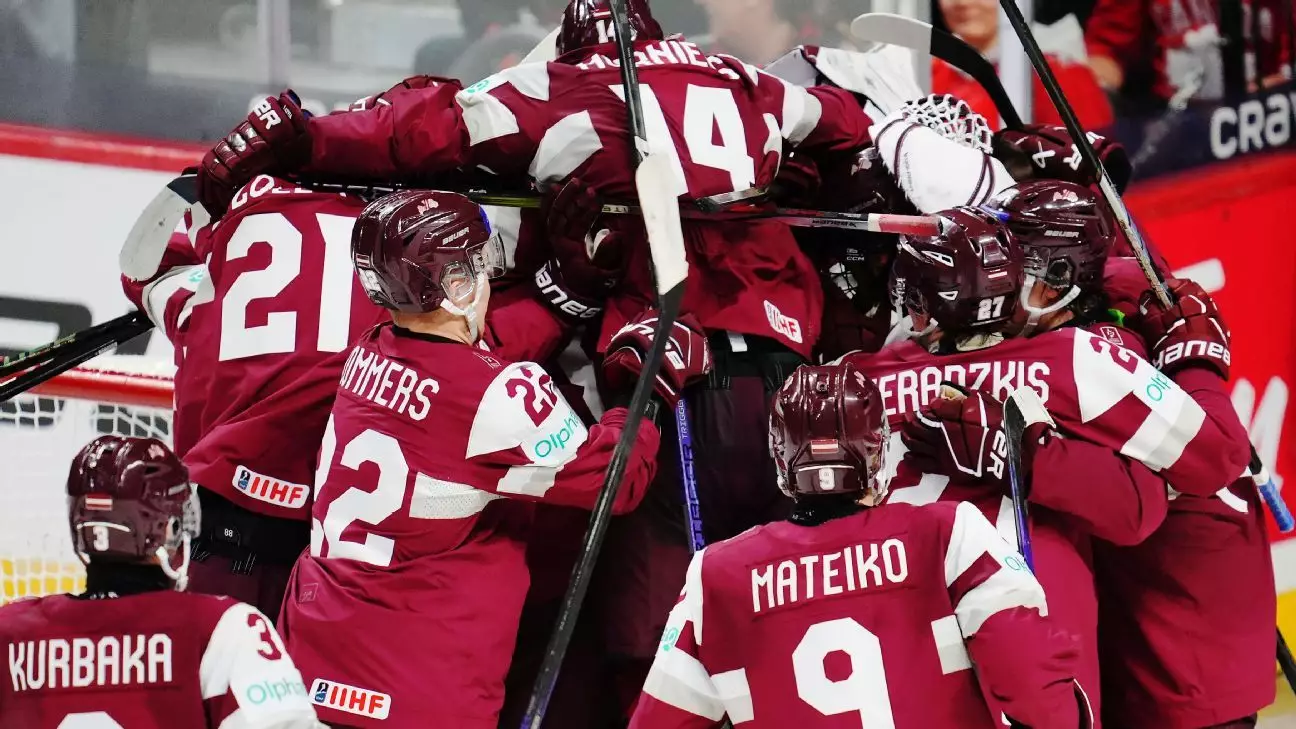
(389, 480)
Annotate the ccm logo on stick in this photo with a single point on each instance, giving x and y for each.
(352, 700)
(270, 490)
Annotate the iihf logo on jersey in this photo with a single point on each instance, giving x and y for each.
(352, 700)
(270, 490)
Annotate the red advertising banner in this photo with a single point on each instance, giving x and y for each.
(1230, 227)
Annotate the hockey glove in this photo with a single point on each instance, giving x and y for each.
(274, 139)
(1048, 152)
(962, 436)
(1190, 331)
(688, 357)
(585, 265)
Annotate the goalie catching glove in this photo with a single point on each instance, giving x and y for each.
(1189, 331)
(585, 265)
(688, 357)
(963, 433)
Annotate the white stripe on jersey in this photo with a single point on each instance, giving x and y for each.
(437, 499)
(801, 112)
(565, 146)
(485, 116)
(157, 294)
(235, 663)
(735, 694)
(949, 645)
(679, 679)
(1009, 587)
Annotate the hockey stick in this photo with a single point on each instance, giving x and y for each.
(125, 326)
(660, 209)
(1015, 430)
(1286, 662)
(141, 252)
(1268, 490)
(692, 507)
(912, 33)
(919, 225)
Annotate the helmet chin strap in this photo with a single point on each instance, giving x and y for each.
(469, 311)
(178, 575)
(1037, 313)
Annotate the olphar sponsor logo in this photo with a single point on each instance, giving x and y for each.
(270, 490)
(352, 700)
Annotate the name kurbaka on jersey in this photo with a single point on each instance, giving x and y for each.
(112, 660)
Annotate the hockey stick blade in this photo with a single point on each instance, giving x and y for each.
(140, 252)
(1286, 662)
(18, 363)
(662, 222)
(1014, 430)
(915, 34)
(87, 351)
(545, 50)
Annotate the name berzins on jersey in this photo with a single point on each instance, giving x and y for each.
(112, 660)
(372, 376)
(908, 390)
(813, 576)
(664, 53)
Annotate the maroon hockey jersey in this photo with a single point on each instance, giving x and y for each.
(410, 596)
(149, 661)
(723, 123)
(876, 619)
(261, 307)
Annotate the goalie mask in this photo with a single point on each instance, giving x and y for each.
(416, 251)
(965, 281)
(587, 23)
(130, 500)
(828, 433)
(1065, 233)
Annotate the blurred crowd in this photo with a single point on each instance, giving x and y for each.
(1117, 59)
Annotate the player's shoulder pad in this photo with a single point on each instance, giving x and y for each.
(522, 407)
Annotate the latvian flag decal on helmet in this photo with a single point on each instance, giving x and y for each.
(99, 503)
(823, 447)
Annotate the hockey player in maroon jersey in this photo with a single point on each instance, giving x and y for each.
(405, 610)
(1187, 642)
(770, 632)
(1152, 595)
(134, 650)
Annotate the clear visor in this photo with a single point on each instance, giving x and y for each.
(1057, 274)
(459, 279)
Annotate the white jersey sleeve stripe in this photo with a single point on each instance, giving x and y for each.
(159, 293)
(801, 112)
(564, 147)
(437, 499)
(735, 694)
(1161, 438)
(1011, 586)
(950, 647)
(680, 680)
(485, 116)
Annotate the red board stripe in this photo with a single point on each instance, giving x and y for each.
(99, 149)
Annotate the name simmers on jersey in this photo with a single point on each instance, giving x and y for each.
(388, 383)
(56, 663)
(857, 567)
(906, 391)
(664, 53)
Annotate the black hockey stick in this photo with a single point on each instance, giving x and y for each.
(1014, 430)
(72, 356)
(122, 328)
(912, 33)
(1268, 490)
(653, 175)
(1286, 662)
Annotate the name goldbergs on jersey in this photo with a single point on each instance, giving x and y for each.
(906, 391)
(352, 700)
(111, 660)
(857, 567)
(388, 383)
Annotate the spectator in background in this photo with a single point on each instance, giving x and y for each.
(977, 22)
(1168, 48)
(757, 31)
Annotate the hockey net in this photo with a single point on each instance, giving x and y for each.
(40, 432)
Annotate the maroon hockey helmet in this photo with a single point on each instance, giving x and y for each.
(1065, 231)
(416, 250)
(129, 499)
(966, 280)
(828, 433)
(588, 23)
